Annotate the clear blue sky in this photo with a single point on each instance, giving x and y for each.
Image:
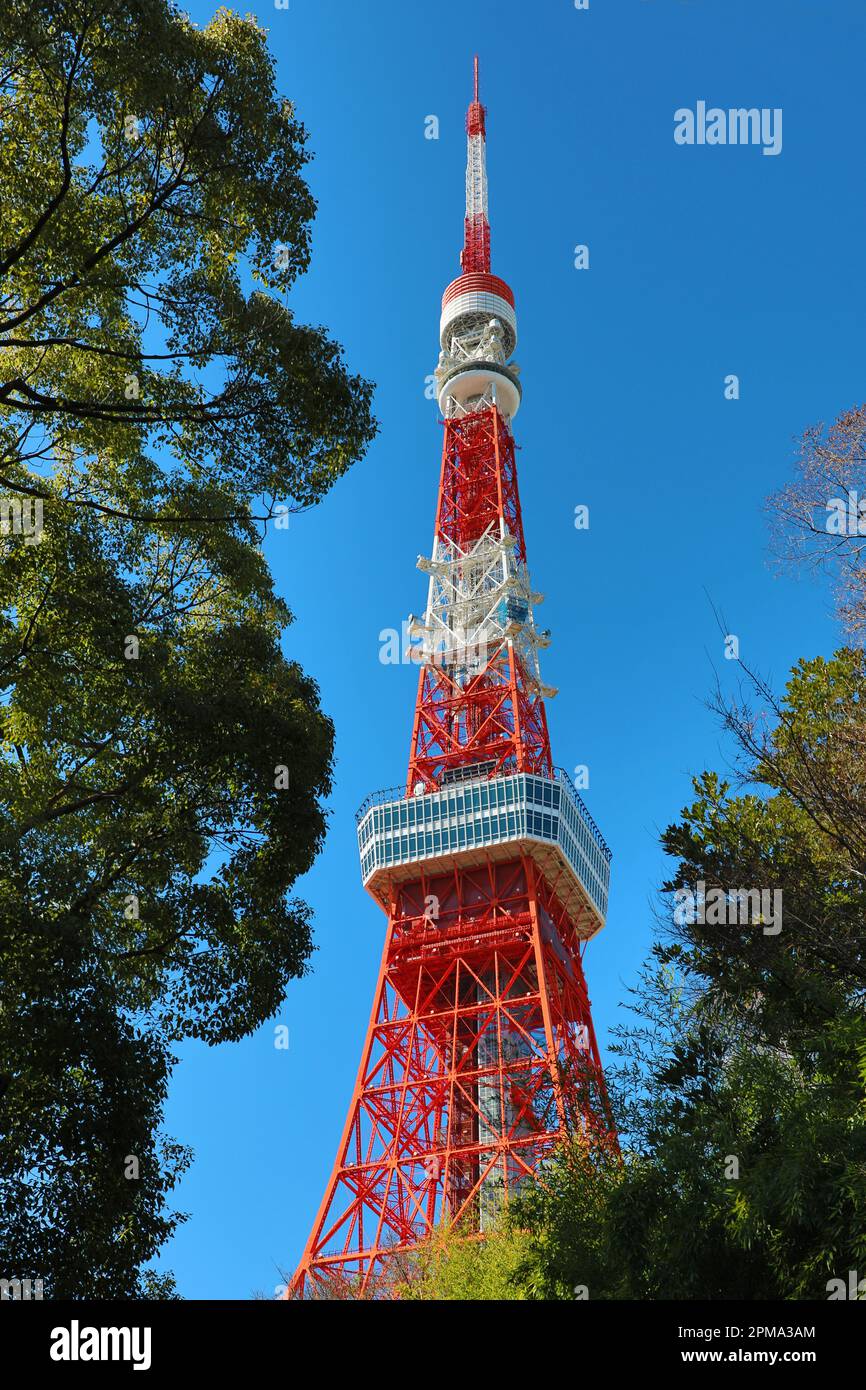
(703, 262)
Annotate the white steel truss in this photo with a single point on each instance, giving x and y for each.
(477, 599)
(476, 177)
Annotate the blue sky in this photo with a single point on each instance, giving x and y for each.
(704, 262)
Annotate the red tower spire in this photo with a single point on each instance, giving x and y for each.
(476, 237)
(480, 1054)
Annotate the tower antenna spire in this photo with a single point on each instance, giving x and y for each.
(476, 233)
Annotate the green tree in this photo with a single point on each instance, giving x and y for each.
(787, 999)
(163, 763)
(452, 1267)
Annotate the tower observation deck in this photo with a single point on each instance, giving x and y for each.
(480, 1053)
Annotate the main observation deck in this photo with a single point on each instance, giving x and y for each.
(471, 822)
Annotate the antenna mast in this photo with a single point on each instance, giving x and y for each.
(476, 236)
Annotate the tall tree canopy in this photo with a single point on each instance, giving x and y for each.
(162, 765)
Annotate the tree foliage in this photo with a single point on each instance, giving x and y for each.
(453, 1267)
(163, 765)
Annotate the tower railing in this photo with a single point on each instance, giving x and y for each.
(398, 793)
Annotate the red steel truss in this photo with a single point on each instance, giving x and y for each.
(480, 1054)
(496, 717)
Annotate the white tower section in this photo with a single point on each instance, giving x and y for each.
(476, 181)
(476, 600)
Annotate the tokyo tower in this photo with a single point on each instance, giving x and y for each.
(480, 1053)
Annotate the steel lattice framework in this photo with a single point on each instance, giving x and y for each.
(480, 1053)
(479, 692)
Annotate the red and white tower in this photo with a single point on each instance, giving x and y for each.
(480, 1053)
